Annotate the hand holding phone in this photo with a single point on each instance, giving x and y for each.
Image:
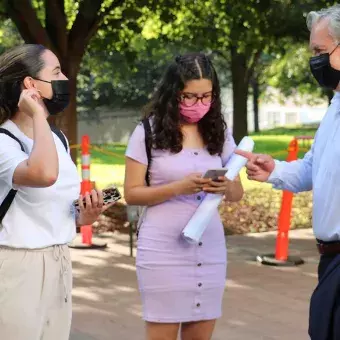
(110, 195)
(214, 174)
(191, 184)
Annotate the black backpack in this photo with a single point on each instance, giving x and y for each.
(10, 196)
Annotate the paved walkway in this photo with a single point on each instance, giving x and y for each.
(260, 302)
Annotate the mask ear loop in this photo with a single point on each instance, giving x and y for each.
(338, 44)
(45, 81)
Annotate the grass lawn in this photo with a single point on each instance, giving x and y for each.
(275, 141)
(107, 166)
(307, 130)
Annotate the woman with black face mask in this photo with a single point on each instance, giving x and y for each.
(38, 185)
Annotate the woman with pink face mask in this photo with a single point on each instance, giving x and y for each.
(181, 284)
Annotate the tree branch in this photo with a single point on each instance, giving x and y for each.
(3, 15)
(225, 55)
(56, 23)
(87, 22)
(102, 15)
(252, 63)
(25, 18)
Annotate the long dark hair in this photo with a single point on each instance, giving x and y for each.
(164, 109)
(15, 65)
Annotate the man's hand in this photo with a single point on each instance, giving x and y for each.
(259, 167)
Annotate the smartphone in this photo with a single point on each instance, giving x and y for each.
(110, 195)
(214, 174)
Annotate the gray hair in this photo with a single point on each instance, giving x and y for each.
(331, 13)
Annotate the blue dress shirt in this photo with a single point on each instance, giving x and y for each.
(319, 171)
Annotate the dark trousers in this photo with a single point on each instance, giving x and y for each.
(324, 318)
(325, 261)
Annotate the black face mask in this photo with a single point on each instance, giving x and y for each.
(323, 72)
(60, 98)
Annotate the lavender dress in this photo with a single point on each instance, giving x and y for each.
(178, 281)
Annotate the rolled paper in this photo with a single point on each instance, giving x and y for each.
(237, 162)
(199, 221)
(197, 224)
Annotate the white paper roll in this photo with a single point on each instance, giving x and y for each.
(202, 216)
(237, 162)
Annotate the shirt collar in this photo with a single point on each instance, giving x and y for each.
(336, 97)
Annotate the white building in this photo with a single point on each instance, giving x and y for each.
(274, 113)
(115, 126)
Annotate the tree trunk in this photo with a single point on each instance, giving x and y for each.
(68, 45)
(67, 121)
(256, 93)
(240, 81)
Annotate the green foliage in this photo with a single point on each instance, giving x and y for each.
(9, 36)
(290, 73)
(137, 39)
(122, 79)
(288, 69)
(123, 64)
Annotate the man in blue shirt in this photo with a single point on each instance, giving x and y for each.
(319, 171)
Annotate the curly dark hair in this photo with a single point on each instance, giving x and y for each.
(164, 106)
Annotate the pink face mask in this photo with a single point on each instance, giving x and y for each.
(195, 113)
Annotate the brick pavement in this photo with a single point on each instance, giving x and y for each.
(260, 302)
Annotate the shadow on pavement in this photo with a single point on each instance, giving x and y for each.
(260, 302)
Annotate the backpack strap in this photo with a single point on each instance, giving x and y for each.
(148, 147)
(10, 134)
(5, 205)
(10, 196)
(60, 135)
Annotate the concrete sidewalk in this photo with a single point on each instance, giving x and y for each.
(260, 302)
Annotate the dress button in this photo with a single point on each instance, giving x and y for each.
(198, 304)
(196, 153)
(199, 198)
(200, 244)
(200, 284)
(199, 264)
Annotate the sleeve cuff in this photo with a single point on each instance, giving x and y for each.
(274, 177)
(139, 159)
(18, 161)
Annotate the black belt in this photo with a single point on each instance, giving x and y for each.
(328, 248)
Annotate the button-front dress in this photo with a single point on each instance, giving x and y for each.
(178, 281)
